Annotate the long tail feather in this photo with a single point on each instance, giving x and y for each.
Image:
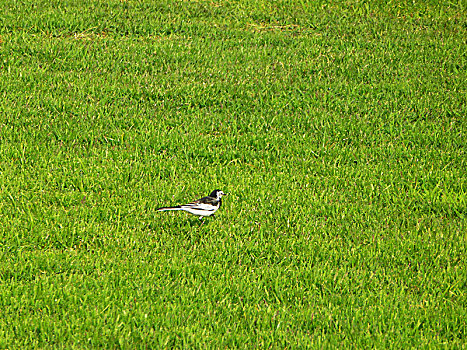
(169, 208)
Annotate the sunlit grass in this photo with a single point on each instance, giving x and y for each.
(339, 132)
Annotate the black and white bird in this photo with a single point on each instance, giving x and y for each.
(205, 206)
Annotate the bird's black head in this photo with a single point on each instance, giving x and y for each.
(217, 194)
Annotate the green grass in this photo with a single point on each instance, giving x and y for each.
(339, 131)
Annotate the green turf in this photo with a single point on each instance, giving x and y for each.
(339, 131)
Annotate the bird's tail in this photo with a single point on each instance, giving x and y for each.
(169, 208)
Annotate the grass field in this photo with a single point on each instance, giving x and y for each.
(338, 129)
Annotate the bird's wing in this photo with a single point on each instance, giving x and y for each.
(200, 205)
(208, 200)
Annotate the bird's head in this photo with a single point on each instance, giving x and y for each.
(217, 194)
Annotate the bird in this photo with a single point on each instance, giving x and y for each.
(202, 207)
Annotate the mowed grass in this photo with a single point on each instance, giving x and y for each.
(339, 131)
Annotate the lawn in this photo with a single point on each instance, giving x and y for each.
(337, 128)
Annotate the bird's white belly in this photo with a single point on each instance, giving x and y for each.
(199, 212)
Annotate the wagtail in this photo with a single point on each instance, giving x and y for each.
(205, 206)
